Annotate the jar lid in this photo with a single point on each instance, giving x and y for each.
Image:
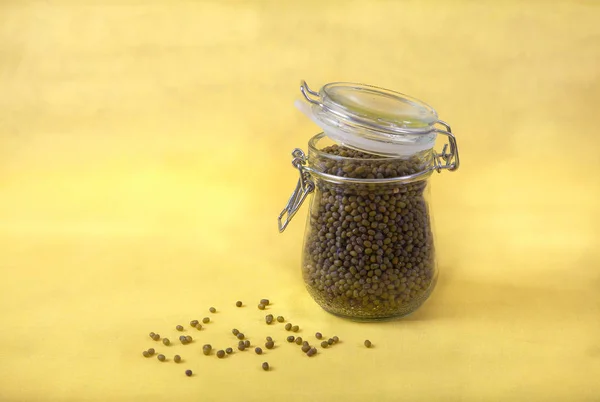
(371, 119)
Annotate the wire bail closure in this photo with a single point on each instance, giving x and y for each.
(451, 159)
(306, 91)
(304, 187)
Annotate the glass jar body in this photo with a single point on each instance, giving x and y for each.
(368, 250)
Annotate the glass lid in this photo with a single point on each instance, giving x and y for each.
(371, 119)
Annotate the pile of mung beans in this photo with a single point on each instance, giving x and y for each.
(243, 343)
(369, 251)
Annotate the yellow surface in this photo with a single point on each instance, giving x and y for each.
(145, 154)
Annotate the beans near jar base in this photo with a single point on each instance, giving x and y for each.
(369, 250)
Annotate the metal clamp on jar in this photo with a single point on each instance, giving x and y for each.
(368, 250)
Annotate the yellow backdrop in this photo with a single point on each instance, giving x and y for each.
(145, 155)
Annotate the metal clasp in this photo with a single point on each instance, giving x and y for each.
(304, 187)
(306, 91)
(447, 159)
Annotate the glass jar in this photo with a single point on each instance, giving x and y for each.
(369, 250)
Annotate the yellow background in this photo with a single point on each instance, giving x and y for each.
(145, 155)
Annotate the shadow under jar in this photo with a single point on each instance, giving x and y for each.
(368, 250)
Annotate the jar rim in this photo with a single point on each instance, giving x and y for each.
(312, 148)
